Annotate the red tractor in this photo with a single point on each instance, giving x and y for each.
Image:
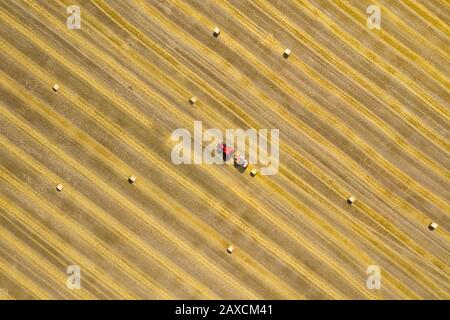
(227, 152)
(239, 161)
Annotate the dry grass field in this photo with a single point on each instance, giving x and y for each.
(361, 113)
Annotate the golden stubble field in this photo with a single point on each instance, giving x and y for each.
(361, 113)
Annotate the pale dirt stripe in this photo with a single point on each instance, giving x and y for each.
(6, 296)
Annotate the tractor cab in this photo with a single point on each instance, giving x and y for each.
(227, 152)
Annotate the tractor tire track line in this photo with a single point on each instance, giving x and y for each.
(444, 4)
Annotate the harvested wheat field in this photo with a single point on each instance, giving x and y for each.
(86, 175)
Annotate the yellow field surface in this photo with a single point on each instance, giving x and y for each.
(362, 113)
